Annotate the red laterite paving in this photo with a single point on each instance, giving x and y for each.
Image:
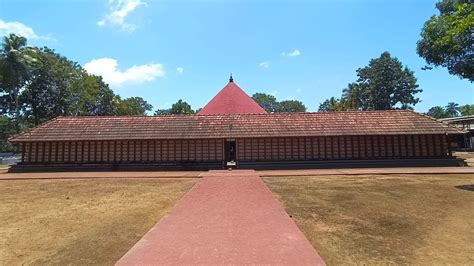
(229, 217)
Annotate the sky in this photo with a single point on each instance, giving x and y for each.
(166, 50)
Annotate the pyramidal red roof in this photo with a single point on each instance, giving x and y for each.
(232, 100)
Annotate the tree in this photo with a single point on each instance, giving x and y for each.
(467, 109)
(94, 97)
(352, 97)
(446, 39)
(58, 86)
(266, 101)
(382, 85)
(162, 112)
(452, 109)
(179, 108)
(271, 105)
(37, 84)
(132, 106)
(332, 104)
(7, 129)
(15, 61)
(437, 112)
(291, 106)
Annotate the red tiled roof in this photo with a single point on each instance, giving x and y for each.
(232, 100)
(235, 126)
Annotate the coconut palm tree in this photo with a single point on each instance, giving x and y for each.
(452, 109)
(15, 61)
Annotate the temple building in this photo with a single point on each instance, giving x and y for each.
(233, 130)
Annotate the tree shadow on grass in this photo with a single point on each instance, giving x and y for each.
(466, 187)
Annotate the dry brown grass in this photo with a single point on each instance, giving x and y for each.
(401, 219)
(80, 221)
(468, 156)
(4, 167)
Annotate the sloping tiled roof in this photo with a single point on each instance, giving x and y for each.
(235, 126)
(232, 100)
(457, 119)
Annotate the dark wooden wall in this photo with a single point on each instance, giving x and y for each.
(255, 149)
(206, 150)
(342, 147)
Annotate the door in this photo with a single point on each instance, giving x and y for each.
(230, 152)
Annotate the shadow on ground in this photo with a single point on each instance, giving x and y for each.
(466, 187)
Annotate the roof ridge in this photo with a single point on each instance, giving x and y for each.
(233, 114)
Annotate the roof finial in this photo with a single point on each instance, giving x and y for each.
(231, 79)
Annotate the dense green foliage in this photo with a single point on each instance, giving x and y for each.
(37, 84)
(332, 104)
(291, 106)
(7, 129)
(266, 101)
(132, 106)
(58, 86)
(179, 108)
(271, 105)
(15, 62)
(382, 85)
(467, 109)
(451, 110)
(447, 39)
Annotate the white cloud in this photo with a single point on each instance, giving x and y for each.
(118, 12)
(21, 29)
(293, 53)
(298, 90)
(17, 28)
(107, 68)
(264, 64)
(180, 70)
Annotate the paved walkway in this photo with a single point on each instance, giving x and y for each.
(266, 173)
(227, 218)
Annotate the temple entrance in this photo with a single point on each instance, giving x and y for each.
(230, 152)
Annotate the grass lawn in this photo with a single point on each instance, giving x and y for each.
(80, 221)
(401, 219)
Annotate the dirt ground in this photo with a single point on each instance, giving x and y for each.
(4, 168)
(80, 221)
(392, 219)
(468, 156)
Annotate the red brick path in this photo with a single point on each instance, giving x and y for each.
(227, 218)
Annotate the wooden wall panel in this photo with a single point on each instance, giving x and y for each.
(85, 152)
(430, 145)
(34, 152)
(382, 147)
(256, 149)
(349, 148)
(396, 146)
(339, 147)
(438, 146)
(59, 152)
(26, 152)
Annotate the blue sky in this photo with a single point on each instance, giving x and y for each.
(165, 50)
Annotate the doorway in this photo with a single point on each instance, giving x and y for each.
(230, 152)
